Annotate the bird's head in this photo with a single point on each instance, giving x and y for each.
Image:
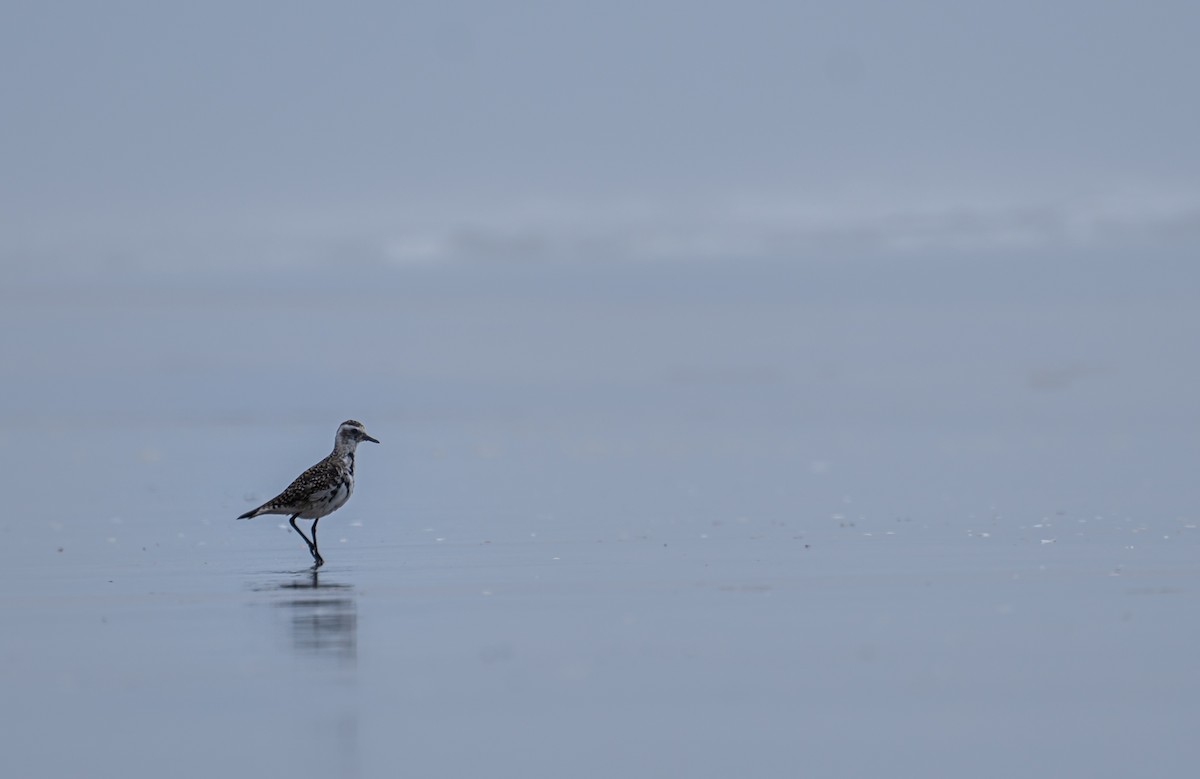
(352, 432)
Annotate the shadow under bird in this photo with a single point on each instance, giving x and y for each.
(322, 489)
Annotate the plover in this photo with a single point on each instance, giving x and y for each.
(322, 489)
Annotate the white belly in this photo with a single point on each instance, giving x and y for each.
(328, 501)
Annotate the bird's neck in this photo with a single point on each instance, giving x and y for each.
(344, 449)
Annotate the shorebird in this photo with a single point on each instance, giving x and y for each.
(322, 489)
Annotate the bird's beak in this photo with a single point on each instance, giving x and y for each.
(369, 438)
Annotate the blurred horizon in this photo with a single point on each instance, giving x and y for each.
(148, 136)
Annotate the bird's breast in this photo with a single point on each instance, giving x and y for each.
(341, 493)
(329, 499)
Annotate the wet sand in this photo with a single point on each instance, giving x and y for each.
(768, 522)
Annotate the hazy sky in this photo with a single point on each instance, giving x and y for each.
(127, 112)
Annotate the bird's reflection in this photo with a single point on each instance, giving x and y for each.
(323, 615)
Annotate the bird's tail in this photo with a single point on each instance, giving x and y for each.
(250, 514)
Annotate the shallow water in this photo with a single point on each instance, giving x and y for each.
(826, 518)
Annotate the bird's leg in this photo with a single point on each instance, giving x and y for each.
(312, 547)
(316, 552)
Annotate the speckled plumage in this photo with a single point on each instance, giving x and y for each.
(322, 489)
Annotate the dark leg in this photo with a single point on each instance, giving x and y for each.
(316, 552)
(312, 546)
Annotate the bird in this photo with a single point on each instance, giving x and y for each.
(322, 489)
